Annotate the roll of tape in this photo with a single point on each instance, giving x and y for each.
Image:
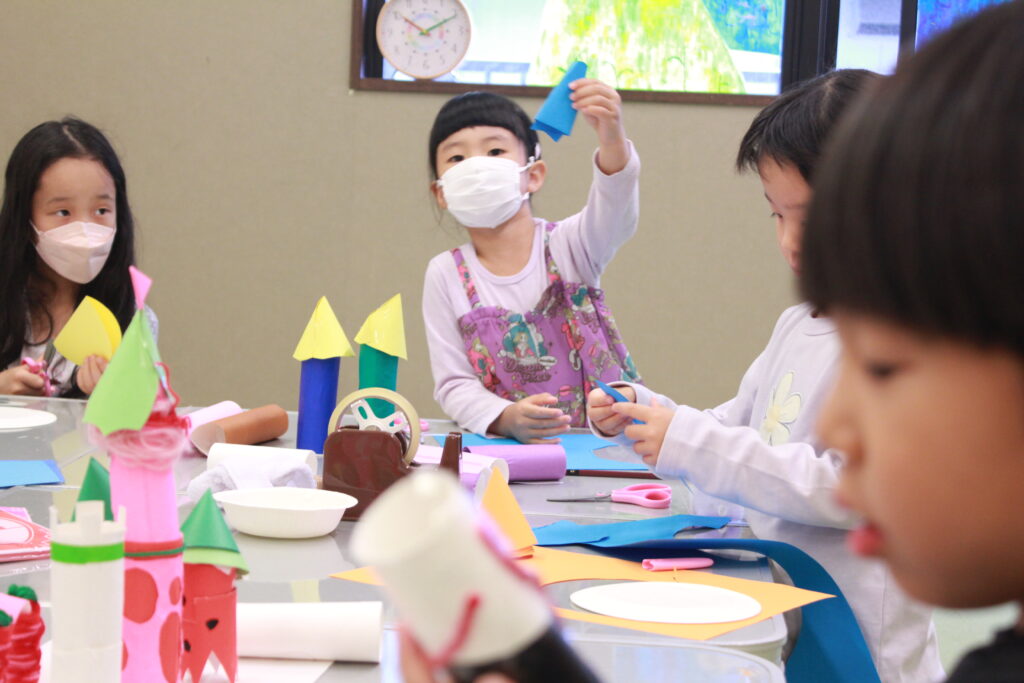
(395, 399)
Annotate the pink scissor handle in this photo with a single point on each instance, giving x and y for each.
(38, 367)
(645, 495)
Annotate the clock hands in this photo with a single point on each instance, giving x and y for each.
(423, 31)
(440, 23)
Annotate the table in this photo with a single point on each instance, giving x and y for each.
(298, 570)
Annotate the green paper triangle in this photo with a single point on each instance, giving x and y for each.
(205, 530)
(96, 486)
(127, 390)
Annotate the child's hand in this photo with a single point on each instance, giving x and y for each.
(529, 421)
(21, 380)
(89, 373)
(599, 410)
(650, 435)
(601, 106)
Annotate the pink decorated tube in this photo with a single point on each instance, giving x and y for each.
(528, 462)
(663, 564)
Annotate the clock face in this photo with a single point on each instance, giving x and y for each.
(423, 38)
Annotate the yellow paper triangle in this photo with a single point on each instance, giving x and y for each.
(92, 330)
(504, 509)
(384, 329)
(323, 337)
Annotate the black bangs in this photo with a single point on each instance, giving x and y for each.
(480, 109)
(918, 208)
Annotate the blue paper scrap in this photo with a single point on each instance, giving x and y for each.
(29, 473)
(579, 451)
(566, 532)
(556, 116)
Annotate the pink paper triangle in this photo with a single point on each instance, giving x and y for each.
(141, 283)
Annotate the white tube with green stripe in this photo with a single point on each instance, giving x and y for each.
(87, 595)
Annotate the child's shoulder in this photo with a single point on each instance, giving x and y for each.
(801, 318)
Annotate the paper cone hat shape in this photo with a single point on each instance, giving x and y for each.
(208, 539)
(92, 330)
(557, 116)
(323, 337)
(96, 486)
(384, 329)
(127, 390)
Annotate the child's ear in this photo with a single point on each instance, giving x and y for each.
(535, 176)
(438, 193)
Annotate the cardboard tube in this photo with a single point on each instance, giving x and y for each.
(260, 455)
(337, 631)
(211, 413)
(528, 462)
(251, 427)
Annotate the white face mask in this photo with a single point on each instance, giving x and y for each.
(483, 192)
(77, 250)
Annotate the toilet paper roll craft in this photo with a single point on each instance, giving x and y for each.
(132, 413)
(467, 604)
(321, 348)
(248, 428)
(382, 339)
(212, 563)
(96, 486)
(364, 459)
(334, 631)
(23, 654)
(6, 626)
(557, 116)
(217, 411)
(92, 330)
(87, 595)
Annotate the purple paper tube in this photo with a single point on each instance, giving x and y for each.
(528, 462)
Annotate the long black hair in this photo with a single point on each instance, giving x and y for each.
(918, 209)
(794, 127)
(480, 109)
(21, 294)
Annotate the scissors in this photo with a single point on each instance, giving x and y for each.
(41, 367)
(644, 495)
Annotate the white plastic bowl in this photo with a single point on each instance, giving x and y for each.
(284, 512)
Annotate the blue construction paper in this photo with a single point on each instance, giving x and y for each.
(29, 473)
(566, 532)
(556, 116)
(830, 646)
(318, 396)
(579, 451)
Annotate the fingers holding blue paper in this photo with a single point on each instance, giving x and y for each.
(557, 115)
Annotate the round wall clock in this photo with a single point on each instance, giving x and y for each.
(423, 38)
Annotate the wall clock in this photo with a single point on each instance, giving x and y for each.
(424, 38)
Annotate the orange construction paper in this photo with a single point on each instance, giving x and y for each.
(504, 509)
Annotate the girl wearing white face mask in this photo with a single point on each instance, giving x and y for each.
(66, 232)
(516, 323)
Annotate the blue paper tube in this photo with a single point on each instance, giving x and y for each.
(318, 396)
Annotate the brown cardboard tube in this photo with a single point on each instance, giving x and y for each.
(248, 428)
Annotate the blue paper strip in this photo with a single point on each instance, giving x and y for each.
(556, 116)
(579, 451)
(830, 646)
(29, 473)
(566, 532)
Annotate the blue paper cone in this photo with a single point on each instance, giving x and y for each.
(556, 116)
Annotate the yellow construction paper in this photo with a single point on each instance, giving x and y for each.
(323, 337)
(384, 329)
(92, 330)
(504, 509)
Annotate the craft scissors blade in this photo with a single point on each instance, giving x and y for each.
(644, 495)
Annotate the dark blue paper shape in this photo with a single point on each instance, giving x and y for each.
(566, 532)
(556, 116)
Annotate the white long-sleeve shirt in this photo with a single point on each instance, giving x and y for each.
(582, 245)
(759, 451)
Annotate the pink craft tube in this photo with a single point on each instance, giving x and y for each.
(528, 462)
(211, 413)
(668, 563)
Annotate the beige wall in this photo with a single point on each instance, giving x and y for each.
(259, 182)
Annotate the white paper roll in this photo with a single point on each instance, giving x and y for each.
(260, 455)
(338, 631)
(422, 537)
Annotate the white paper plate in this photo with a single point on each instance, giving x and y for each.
(284, 512)
(667, 602)
(12, 419)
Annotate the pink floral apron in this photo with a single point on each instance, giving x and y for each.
(566, 342)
